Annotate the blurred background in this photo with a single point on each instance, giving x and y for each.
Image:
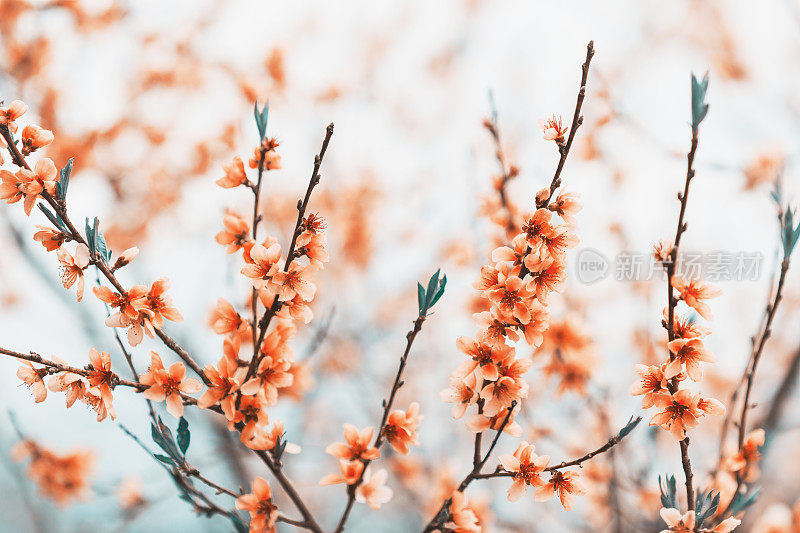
(152, 98)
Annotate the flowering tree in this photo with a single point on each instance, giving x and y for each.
(489, 390)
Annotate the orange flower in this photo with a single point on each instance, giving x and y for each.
(534, 330)
(565, 484)
(566, 205)
(373, 490)
(313, 227)
(357, 445)
(679, 412)
(351, 472)
(546, 275)
(462, 517)
(252, 412)
(693, 292)
(32, 377)
(42, 178)
(499, 394)
(35, 137)
(11, 187)
(11, 113)
(553, 129)
(225, 380)
(263, 265)
(537, 226)
(169, 385)
(50, 238)
(137, 326)
(101, 378)
(127, 302)
(489, 279)
(463, 392)
(401, 428)
(479, 423)
(495, 329)
(73, 267)
(225, 320)
(512, 298)
(651, 384)
(60, 477)
(263, 512)
(234, 174)
(515, 255)
(311, 242)
(689, 352)
(486, 358)
(272, 374)
(95, 401)
(67, 381)
(676, 522)
(125, 258)
(558, 240)
(293, 282)
(727, 525)
(296, 308)
(746, 460)
(527, 468)
(160, 304)
(267, 440)
(686, 328)
(235, 234)
(272, 161)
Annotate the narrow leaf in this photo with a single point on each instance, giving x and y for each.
(164, 459)
(184, 436)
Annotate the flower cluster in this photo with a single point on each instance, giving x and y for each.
(59, 477)
(515, 289)
(660, 385)
(140, 309)
(244, 387)
(92, 386)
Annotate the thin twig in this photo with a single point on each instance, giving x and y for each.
(387, 407)
(672, 302)
(302, 205)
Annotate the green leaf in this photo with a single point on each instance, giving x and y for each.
(431, 290)
(63, 182)
(54, 218)
(699, 105)
(420, 297)
(440, 292)
(163, 437)
(184, 436)
(164, 459)
(669, 492)
(743, 501)
(261, 119)
(90, 237)
(630, 426)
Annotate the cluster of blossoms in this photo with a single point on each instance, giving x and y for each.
(514, 290)
(240, 388)
(244, 388)
(358, 450)
(60, 477)
(661, 385)
(92, 385)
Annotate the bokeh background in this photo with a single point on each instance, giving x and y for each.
(151, 98)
